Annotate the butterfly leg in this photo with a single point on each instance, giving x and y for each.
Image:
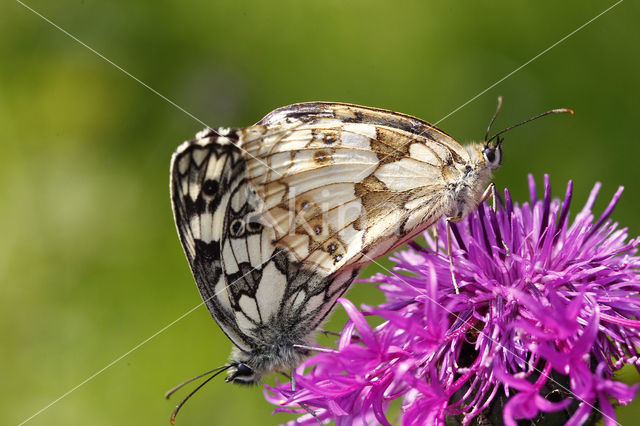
(303, 406)
(449, 251)
(306, 349)
(329, 332)
(490, 192)
(436, 238)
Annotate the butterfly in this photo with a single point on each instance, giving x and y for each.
(278, 218)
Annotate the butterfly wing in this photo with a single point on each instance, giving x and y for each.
(254, 289)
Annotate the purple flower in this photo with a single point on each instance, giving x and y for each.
(547, 312)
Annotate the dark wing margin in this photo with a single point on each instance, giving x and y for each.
(201, 172)
(350, 113)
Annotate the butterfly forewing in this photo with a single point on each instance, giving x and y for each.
(355, 176)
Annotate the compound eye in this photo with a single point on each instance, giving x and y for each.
(492, 155)
(243, 370)
(243, 375)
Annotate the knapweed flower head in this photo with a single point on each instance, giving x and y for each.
(547, 311)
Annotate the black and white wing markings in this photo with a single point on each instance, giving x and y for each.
(252, 287)
(200, 173)
(273, 297)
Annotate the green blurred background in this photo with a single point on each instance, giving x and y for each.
(90, 264)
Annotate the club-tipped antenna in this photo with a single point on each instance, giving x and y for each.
(553, 111)
(167, 395)
(486, 135)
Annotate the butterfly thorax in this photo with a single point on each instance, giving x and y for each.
(420, 200)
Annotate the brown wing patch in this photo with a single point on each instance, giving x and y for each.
(379, 204)
(322, 138)
(390, 145)
(323, 157)
(369, 184)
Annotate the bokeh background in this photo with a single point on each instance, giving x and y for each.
(90, 265)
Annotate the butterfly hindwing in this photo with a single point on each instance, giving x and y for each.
(253, 287)
(201, 173)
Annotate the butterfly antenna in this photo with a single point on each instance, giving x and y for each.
(167, 395)
(553, 111)
(486, 135)
(176, 388)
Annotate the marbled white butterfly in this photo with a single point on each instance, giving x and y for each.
(278, 218)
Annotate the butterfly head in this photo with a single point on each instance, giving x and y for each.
(492, 153)
(492, 149)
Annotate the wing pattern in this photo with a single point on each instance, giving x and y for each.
(276, 219)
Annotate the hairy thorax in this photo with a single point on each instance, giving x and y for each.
(467, 183)
(266, 359)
